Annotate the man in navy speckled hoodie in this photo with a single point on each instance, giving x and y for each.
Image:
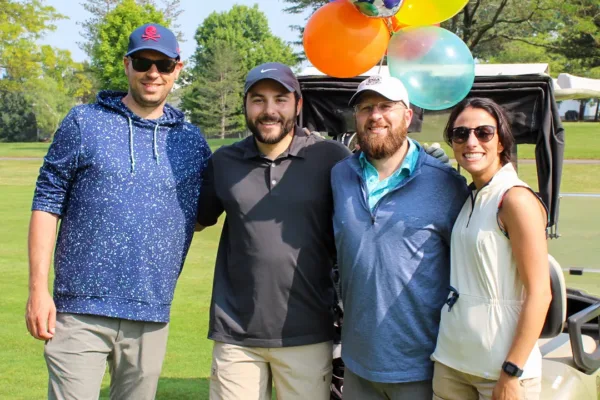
(123, 176)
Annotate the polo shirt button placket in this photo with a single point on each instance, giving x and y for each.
(273, 181)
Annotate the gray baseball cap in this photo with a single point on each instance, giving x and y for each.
(276, 71)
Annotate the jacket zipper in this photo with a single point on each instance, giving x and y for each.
(366, 201)
(473, 198)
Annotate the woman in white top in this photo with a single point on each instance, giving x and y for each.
(500, 285)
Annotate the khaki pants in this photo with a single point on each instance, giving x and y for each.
(357, 388)
(247, 373)
(77, 355)
(450, 384)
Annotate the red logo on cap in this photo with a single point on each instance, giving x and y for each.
(151, 34)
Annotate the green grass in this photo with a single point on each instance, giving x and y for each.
(39, 150)
(23, 370)
(187, 364)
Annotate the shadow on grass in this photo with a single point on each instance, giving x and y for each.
(175, 389)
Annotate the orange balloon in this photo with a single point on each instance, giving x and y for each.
(342, 42)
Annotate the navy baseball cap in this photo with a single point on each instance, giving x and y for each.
(276, 71)
(153, 37)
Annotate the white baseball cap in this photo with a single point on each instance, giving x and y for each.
(387, 86)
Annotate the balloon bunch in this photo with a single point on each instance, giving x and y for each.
(346, 38)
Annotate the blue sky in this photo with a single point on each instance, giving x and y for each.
(67, 34)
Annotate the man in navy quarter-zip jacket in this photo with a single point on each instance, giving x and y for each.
(394, 209)
(123, 176)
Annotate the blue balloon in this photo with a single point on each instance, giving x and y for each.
(435, 66)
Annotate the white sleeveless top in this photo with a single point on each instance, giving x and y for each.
(476, 334)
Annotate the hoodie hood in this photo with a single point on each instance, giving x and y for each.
(113, 100)
(170, 118)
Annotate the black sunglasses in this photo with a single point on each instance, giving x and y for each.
(483, 133)
(164, 66)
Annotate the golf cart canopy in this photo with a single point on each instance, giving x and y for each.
(525, 90)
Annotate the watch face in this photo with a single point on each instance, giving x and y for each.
(511, 369)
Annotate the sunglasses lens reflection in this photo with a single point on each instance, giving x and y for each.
(483, 133)
(144, 64)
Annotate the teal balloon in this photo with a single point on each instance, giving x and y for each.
(435, 66)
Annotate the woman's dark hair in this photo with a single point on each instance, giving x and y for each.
(503, 130)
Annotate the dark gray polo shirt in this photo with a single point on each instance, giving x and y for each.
(272, 284)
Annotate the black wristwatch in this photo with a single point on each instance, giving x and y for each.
(511, 369)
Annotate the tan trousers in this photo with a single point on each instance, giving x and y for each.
(247, 373)
(77, 355)
(450, 384)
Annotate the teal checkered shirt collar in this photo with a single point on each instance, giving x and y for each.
(377, 189)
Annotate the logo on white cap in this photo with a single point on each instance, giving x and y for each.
(373, 80)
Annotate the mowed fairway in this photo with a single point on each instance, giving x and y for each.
(187, 365)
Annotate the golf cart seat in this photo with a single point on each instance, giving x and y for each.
(578, 350)
(557, 311)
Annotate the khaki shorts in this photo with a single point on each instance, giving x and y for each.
(450, 384)
(247, 373)
(83, 344)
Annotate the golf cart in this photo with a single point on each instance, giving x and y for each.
(569, 341)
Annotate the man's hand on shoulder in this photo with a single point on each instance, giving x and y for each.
(436, 151)
(308, 132)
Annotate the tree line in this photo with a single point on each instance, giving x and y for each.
(40, 83)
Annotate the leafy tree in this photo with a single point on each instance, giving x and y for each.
(72, 78)
(229, 45)
(99, 9)
(39, 79)
(50, 103)
(113, 38)
(247, 30)
(213, 101)
(487, 26)
(579, 37)
(17, 120)
(519, 52)
(569, 40)
(21, 24)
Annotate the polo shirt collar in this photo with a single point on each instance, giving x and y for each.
(296, 147)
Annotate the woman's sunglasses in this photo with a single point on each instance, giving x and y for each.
(483, 133)
(164, 66)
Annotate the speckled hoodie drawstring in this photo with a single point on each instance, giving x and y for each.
(131, 156)
(154, 145)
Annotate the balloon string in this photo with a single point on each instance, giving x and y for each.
(390, 27)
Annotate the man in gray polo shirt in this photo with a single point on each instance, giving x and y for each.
(271, 310)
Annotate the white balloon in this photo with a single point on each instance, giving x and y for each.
(378, 8)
